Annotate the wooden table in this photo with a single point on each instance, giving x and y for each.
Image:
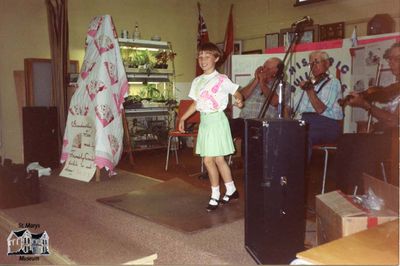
(376, 246)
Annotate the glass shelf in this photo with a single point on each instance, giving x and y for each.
(146, 44)
(150, 69)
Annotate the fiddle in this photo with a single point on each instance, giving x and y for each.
(375, 94)
(314, 81)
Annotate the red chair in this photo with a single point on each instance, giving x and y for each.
(193, 119)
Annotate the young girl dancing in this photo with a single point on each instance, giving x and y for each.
(210, 93)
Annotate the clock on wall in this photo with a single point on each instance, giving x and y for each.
(380, 24)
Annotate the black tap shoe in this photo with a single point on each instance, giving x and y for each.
(234, 196)
(212, 207)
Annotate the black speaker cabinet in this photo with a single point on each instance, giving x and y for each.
(40, 130)
(360, 153)
(274, 189)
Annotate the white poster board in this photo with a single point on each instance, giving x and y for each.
(370, 69)
(80, 163)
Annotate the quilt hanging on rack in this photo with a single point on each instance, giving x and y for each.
(94, 130)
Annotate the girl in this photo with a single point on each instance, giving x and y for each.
(214, 141)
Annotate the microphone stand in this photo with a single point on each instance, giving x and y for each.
(298, 32)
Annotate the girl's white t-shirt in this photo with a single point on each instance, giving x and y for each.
(211, 92)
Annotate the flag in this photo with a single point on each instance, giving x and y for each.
(228, 43)
(202, 36)
(354, 39)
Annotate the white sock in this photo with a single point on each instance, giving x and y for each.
(230, 188)
(215, 194)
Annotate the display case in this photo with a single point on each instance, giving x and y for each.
(149, 126)
(149, 108)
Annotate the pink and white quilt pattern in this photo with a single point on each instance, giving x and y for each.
(102, 86)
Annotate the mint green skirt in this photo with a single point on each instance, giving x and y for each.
(214, 137)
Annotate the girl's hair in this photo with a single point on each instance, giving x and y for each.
(211, 48)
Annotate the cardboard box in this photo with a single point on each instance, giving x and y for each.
(339, 216)
(376, 246)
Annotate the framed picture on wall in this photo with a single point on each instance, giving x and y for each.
(271, 40)
(309, 34)
(331, 31)
(237, 47)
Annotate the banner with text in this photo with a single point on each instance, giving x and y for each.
(80, 163)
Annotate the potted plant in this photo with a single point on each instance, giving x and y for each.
(140, 59)
(152, 91)
(162, 59)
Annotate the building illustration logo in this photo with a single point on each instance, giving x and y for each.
(24, 243)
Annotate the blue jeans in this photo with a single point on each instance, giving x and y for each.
(321, 130)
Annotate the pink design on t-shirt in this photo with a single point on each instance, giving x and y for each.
(216, 87)
(206, 95)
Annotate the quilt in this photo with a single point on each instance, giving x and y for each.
(97, 103)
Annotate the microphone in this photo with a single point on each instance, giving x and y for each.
(305, 20)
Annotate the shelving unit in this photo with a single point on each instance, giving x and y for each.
(150, 70)
(148, 127)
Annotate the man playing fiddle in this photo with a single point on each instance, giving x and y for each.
(388, 116)
(318, 104)
(255, 93)
(373, 153)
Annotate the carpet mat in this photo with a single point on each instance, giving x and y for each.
(176, 204)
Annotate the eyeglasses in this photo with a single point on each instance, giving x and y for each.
(315, 62)
(393, 58)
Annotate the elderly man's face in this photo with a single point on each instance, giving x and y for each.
(318, 65)
(270, 68)
(394, 61)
